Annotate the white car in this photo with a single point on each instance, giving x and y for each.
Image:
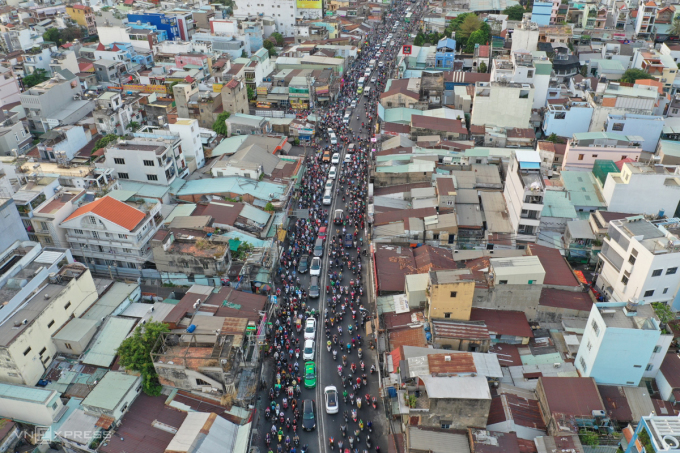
(354, 104)
(374, 79)
(310, 329)
(329, 185)
(348, 158)
(332, 173)
(335, 159)
(332, 401)
(315, 268)
(308, 352)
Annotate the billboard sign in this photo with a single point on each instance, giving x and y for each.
(309, 4)
(406, 50)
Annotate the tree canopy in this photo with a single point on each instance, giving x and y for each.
(633, 74)
(38, 76)
(270, 47)
(465, 25)
(675, 28)
(514, 12)
(102, 142)
(219, 126)
(135, 354)
(278, 37)
(64, 35)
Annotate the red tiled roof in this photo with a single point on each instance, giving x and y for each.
(619, 164)
(101, 47)
(112, 210)
(114, 48)
(483, 51)
(397, 128)
(503, 322)
(408, 337)
(438, 124)
(670, 367)
(233, 83)
(557, 271)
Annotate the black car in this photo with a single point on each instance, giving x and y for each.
(337, 218)
(349, 240)
(304, 264)
(308, 415)
(314, 287)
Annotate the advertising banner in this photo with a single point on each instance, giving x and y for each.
(309, 4)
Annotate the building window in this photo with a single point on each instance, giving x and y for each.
(649, 293)
(671, 270)
(650, 367)
(580, 157)
(119, 161)
(447, 315)
(631, 259)
(637, 366)
(502, 282)
(123, 176)
(92, 220)
(68, 304)
(583, 364)
(657, 349)
(624, 280)
(51, 323)
(589, 345)
(594, 156)
(596, 328)
(27, 351)
(152, 177)
(67, 345)
(454, 293)
(42, 351)
(657, 272)
(122, 236)
(148, 163)
(445, 424)
(665, 290)
(617, 127)
(78, 231)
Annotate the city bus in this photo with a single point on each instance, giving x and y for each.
(362, 80)
(407, 19)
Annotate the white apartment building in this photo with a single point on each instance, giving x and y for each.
(521, 67)
(192, 147)
(642, 188)
(146, 160)
(502, 104)
(108, 232)
(524, 192)
(283, 12)
(639, 262)
(26, 347)
(9, 86)
(39, 406)
(48, 216)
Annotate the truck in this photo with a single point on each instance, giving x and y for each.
(371, 64)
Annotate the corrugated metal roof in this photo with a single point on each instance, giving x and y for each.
(111, 300)
(457, 387)
(103, 351)
(110, 390)
(75, 329)
(256, 215)
(437, 441)
(460, 329)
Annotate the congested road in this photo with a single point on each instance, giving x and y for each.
(343, 264)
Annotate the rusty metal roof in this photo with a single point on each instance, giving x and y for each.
(407, 337)
(451, 364)
(503, 322)
(571, 396)
(460, 329)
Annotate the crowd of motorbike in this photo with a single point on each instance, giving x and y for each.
(342, 231)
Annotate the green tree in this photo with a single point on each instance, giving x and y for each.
(633, 74)
(552, 138)
(675, 28)
(102, 142)
(52, 35)
(663, 311)
(251, 94)
(470, 24)
(278, 37)
(68, 34)
(135, 354)
(270, 47)
(482, 67)
(584, 71)
(134, 125)
(477, 37)
(588, 438)
(514, 12)
(244, 54)
(219, 126)
(419, 40)
(38, 76)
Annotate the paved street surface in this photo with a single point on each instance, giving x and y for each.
(351, 184)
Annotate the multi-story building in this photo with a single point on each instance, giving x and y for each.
(521, 67)
(189, 132)
(10, 222)
(190, 252)
(83, 16)
(639, 262)
(502, 104)
(63, 142)
(31, 195)
(23, 38)
(26, 346)
(14, 138)
(161, 21)
(108, 232)
(585, 148)
(9, 86)
(644, 23)
(235, 97)
(39, 57)
(660, 66)
(48, 216)
(148, 158)
(54, 102)
(114, 113)
(283, 12)
(612, 98)
(643, 188)
(649, 127)
(621, 344)
(524, 192)
(564, 120)
(450, 294)
(541, 13)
